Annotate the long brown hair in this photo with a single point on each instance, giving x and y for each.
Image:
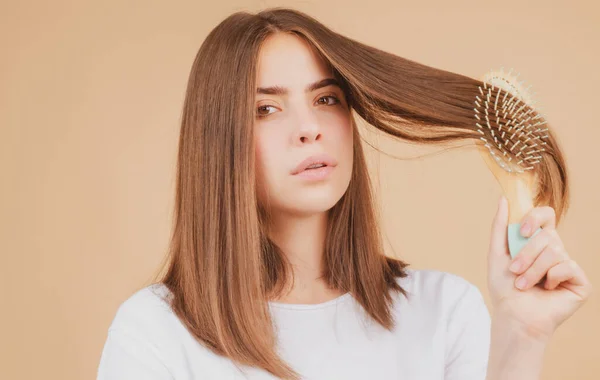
(222, 266)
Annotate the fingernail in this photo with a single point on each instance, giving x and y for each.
(521, 283)
(515, 266)
(525, 229)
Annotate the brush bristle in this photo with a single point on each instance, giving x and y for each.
(510, 127)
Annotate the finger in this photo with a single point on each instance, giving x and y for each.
(547, 259)
(498, 240)
(534, 247)
(563, 271)
(544, 217)
(569, 275)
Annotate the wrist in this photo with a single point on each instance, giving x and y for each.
(516, 351)
(533, 333)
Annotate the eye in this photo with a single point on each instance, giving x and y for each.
(330, 97)
(261, 108)
(261, 114)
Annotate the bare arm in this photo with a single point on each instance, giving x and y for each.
(515, 354)
(532, 294)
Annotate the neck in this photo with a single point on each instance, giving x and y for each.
(302, 240)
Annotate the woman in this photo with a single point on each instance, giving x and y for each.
(277, 268)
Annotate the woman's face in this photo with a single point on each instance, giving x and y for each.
(295, 124)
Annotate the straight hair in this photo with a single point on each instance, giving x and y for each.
(222, 267)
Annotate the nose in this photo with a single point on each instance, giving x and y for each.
(308, 129)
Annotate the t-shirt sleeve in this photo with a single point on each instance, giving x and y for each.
(125, 357)
(468, 337)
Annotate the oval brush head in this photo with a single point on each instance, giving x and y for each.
(511, 129)
(513, 133)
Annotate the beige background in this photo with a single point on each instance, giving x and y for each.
(90, 99)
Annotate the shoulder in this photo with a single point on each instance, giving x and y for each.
(427, 282)
(142, 337)
(443, 291)
(146, 314)
(153, 300)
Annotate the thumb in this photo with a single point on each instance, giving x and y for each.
(498, 249)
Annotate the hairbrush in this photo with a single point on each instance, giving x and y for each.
(513, 135)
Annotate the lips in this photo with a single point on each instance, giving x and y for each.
(324, 159)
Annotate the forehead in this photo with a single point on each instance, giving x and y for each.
(289, 61)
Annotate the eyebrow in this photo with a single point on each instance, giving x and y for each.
(278, 90)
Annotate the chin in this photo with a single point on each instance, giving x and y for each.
(314, 203)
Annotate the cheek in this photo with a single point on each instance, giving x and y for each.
(259, 158)
(345, 134)
(259, 165)
(266, 155)
(345, 137)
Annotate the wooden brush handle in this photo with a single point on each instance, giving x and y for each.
(517, 187)
(519, 191)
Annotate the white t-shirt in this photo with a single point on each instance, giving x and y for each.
(442, 332)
